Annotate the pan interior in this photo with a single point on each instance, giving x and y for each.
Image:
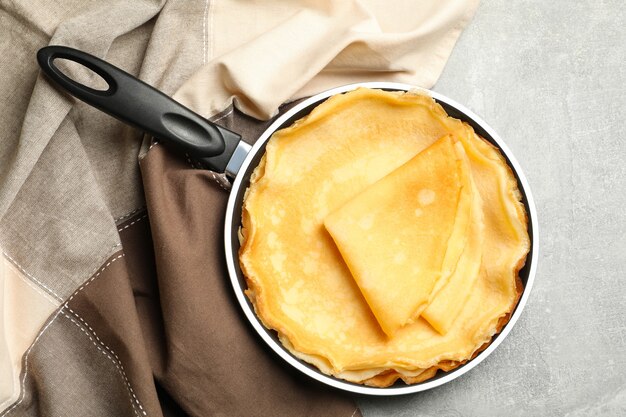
(239, 281)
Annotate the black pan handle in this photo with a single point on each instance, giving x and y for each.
(144, 107)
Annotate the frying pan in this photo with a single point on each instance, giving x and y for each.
(219, 149)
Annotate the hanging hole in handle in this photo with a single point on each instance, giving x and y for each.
(81, 75)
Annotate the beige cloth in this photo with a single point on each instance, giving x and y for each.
(261, 56)
(68, 173)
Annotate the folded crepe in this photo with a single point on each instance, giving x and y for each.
(298, 280)
(404, 234)
(447, 301)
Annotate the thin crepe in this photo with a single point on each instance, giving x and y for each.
(446, 303)
(404, 234)
(297, 279)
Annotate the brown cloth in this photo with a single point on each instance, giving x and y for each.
(214, 358)
(114, 302)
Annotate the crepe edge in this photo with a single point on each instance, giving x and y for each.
(390, 376)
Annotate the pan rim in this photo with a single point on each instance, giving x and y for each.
(281, 351)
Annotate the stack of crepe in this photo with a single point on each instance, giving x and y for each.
(382, 239)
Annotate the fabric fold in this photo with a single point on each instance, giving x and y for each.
(47, 106)
(308, 47)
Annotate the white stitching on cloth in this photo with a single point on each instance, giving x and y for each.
(152, 145)
(224, 115)
(18, 266)
(210, 29)
(129, 214)
(132, 223)
(205, 34)
(99, 270)
(107, 355)
(93, 277)
(111, 355)
(215, 177)
(189, 161)
(217, 180)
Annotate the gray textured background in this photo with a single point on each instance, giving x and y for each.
(550, 78)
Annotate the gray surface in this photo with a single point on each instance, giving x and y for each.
(550, 77)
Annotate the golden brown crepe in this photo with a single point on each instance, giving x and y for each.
(395, 235)
(446, 303)
(298, 281)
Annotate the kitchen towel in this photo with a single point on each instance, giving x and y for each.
(113, 295)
